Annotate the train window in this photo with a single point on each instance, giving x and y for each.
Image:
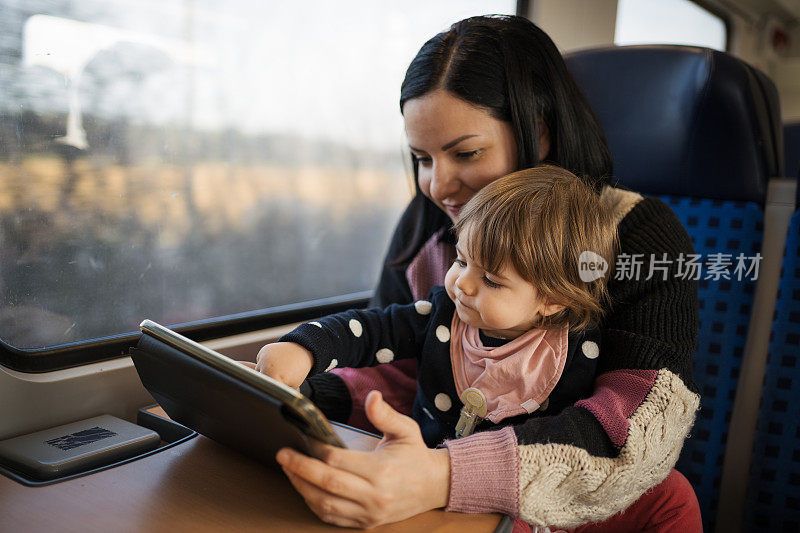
(668, 22)
(186, 160)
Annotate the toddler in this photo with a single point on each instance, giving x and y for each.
(511, 335)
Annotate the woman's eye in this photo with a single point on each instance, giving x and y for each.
(490, 283)
(468, 155)
(423, 161)
(460, 263)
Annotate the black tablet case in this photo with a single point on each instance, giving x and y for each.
(221, 407)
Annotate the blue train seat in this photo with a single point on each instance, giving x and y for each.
(701, 130)
(773, 489)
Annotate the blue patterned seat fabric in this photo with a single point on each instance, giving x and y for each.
(773, 490)
(730, 228)
(701, 130)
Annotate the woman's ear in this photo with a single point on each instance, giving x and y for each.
(544, 139)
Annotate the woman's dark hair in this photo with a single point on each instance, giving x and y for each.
(510, 67)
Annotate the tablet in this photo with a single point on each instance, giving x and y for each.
(224, 400)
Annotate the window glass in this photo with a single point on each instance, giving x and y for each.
(668, 22)
(181, 160)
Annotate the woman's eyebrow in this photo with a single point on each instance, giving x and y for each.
(456, 141)
(446, 146)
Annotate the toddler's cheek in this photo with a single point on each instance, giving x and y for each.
(449, 281)
(450, 294)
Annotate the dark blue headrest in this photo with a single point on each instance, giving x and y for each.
(683, 120)
(791, 148)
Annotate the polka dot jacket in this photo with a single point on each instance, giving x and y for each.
(358, 338)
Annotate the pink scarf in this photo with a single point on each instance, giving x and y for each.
(515, 378)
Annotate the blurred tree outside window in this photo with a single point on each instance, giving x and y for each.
(184, 160)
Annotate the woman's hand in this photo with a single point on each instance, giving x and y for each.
(286, 362)
(399, 479)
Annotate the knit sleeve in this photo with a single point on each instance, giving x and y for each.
(360, 338)
(597, 457)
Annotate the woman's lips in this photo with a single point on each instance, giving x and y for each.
(453, 210)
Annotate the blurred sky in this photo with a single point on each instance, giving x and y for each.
(325, 69)
(330, 67)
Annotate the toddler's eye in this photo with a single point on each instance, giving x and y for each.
(490, 283)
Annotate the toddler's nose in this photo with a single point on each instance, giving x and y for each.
(465, 284)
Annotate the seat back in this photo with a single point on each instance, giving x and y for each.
(791, 148)
(773, 489)
(701, 130)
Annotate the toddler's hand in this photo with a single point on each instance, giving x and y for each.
(286, 362)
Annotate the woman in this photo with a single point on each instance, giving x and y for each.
(490, 96)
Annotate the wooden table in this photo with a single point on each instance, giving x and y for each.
(198, 485)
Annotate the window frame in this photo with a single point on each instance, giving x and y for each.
(86, 352)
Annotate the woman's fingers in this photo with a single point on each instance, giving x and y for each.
(335, 496)
(400, 478)
(329, 478)
(393, 425)
(363, 464)
(329, 507)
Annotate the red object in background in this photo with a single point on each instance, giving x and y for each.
(780, 40)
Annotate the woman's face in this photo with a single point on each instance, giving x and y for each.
(459, 147)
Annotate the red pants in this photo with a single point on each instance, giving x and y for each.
(670, 506)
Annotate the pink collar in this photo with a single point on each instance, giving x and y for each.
(516, 377)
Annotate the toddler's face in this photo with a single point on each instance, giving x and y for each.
(501, 304)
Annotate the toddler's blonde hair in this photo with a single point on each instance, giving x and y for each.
(539, 221)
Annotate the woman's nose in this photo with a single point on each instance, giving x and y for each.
(444, 182)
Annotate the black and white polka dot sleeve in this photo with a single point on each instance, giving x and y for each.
(359, 338)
